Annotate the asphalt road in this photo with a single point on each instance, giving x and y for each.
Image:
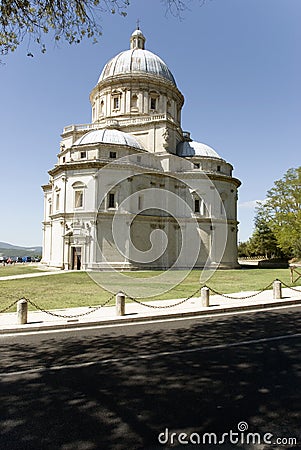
(123, 387)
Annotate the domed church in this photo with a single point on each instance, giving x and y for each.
(132, 190)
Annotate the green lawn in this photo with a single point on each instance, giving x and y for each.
(78, 289)
(17, 269)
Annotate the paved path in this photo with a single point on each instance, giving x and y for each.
(121, 388)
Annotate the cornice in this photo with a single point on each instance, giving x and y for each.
(139, 80)
(96, 165)
(211, 176)
(226, 178)
(76, 165)
(46, 187)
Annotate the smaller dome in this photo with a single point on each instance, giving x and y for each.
(194, 148)
(108, 136)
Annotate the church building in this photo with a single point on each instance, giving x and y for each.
(132, 190)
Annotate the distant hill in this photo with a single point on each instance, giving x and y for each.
(15, 250)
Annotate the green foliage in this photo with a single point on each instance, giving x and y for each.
(71, 21)
(263, 241)
(278, 219)
(244, 250)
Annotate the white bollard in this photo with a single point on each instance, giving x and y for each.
(205, 296)
(22, 309)
(120, 304)
(277, 290)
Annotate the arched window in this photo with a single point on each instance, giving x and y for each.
(102, 108)
(57, 198)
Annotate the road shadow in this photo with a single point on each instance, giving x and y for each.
(120, 391)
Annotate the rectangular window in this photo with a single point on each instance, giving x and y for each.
(196, 165)
(78, 199)
(111, 202)
(116, 102)
(57, 202)
(83, 155)
(113, 155)
(139, 202)
(218, 168)
(196, 205)
(153, 103)
(134, 101)
(222, 207)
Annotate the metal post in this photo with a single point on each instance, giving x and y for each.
(205, 296)
(22, 309)
(277, 291)
(120, 304)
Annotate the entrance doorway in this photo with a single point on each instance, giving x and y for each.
(76, 258)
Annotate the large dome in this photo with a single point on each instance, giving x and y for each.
(136, 60)
(108, 136)
(193, 148)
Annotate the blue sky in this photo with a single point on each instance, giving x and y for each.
(237, 63)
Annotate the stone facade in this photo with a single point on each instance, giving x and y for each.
(131, 189)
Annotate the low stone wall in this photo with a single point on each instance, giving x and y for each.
(273, 264)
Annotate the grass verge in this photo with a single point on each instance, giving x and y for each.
(17, 269)
(77, 289)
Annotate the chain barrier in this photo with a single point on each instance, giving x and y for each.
(290, 287)
(7, 308)
(93, 309)
(69, 316)
(240, 298)
(162, 307)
